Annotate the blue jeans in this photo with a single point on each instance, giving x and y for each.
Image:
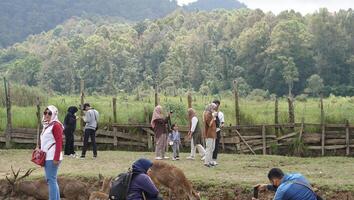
(51, 172)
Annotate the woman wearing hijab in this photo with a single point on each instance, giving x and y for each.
(195, 134)
(141, 186)
(159, 124)
(69, 129)
(51, 143)
(209, 133)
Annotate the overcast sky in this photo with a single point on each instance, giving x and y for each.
(303, 6)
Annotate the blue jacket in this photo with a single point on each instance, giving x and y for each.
(141, 182)
(175, 136)
(288, 190)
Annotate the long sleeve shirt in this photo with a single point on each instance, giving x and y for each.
(289, 189)
(194, 124)
(52, 141)
(142, 183)
(91, 119)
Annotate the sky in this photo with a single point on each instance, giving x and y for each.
(303, 6)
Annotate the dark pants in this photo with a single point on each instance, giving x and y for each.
(216, 149)
(69, 142)
(92, 134)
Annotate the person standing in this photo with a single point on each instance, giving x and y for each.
(91, 120)
(209, 133)
(219, 125)
(69, 129)
(195, 134)
(51, 143)
(159, 124)
(175, 141)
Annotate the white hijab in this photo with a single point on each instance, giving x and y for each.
(54, 117)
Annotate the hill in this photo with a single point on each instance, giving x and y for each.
(18, 18)
(209, 5)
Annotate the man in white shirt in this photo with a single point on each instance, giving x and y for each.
(219, 124)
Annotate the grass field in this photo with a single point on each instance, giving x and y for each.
(130, 110)
(335, 173)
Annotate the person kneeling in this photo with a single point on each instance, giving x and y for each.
(288, 186)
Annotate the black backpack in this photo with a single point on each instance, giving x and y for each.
(120, 186)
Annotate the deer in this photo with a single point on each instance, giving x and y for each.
(174, 179)
(69, 188)
(104, 191)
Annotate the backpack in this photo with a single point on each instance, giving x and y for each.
(120, 186)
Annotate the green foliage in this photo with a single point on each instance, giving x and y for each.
(22, 95)
(315, 85)
(197, 51)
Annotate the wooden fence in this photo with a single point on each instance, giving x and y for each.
(296, 139)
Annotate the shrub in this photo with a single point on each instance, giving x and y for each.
(24, 95)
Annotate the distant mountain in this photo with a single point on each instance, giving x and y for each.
(19, 18)
(214, 4)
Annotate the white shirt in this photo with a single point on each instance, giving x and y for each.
(194, 123)
(47, 139)
(221, 118)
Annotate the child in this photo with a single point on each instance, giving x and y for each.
(175, 140)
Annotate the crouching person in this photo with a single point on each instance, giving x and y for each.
(141, 186)
(288, 186)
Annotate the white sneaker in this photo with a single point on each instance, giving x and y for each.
(158, 158)
(174, 159)
(190, 158)
(203, 158)
(166, 157)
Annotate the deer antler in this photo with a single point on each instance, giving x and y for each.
(15, 174)
(12, 182)
(28, 172)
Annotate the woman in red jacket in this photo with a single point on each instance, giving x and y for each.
(51, 143)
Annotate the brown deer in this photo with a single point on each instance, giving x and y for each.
(174, 179)
(69, 188)
(103, 193)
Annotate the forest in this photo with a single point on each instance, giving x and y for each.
(199, 51)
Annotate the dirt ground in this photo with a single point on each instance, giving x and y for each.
(211, 192)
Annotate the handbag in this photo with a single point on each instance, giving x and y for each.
(38, 156)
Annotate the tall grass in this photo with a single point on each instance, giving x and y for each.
(130, 110)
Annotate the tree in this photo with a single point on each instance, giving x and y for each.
(314, 85)
(290, 72)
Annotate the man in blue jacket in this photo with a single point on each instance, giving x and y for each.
(288, 186)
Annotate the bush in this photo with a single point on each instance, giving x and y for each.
(258, 95)
(301, 97)
(24, 95)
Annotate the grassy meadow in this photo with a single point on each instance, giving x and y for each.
(131, 110)
(334, 173)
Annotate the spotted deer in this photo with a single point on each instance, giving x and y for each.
(103, 193)
(174, 179)
(70, 189)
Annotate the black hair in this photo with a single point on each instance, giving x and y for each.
(275, 173)
(217, 102)
(173, 126)
(86, 105)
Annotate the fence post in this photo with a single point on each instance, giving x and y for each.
(114, 100)
(82, 95)
(323, 135)
(291, 111)
(156, 95)
(8, 113)
(149, 138)
(237, 107)
(189, 100)
(264, 140)
(38, 114)
(347, 138)
(276, 116)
